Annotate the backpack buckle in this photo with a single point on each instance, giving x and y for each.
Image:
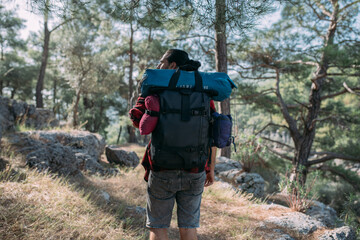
(195, 112)
(190, 149)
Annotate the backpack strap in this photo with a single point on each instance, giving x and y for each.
(152, 113)
(198, 82)
(186, 112)
(174, 80)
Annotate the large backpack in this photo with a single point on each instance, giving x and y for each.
(181, 138)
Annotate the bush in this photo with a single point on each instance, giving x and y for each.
(299, 196)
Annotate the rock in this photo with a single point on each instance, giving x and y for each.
(323, 213)
(42, 118)
(231, 171)
(278, 234)
(6, 118)
(92, 166)
(137, 210)
(84, 142)
(230, 175)
(19, 109)
(105, 196)
(343, 233)
(273, 206)
(226, 164)
(14, 112)
(295, 221)
(246, 182)
(119, 156)
(82, 151)
(55, 158)
(140, 210)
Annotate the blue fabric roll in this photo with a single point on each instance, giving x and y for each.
(215, 81)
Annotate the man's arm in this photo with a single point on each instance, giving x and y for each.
(210, 176)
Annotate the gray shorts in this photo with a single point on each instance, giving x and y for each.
(166, 187)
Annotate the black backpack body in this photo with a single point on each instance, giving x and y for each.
(181, 139)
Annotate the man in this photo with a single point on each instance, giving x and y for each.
(185, 186)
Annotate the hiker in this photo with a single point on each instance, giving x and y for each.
(167, 185)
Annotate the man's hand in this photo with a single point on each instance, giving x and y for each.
(210, 178)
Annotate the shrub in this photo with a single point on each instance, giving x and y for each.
(298, 196)
(249, 153)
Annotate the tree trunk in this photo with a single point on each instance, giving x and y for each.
(2, 51)
(221, 56)
(97, 123)
(304, 144)
(132, 136)
(76, 108)
(131, 129)
(13, 91)
(55, 96)
(44, 59)
(119, 135)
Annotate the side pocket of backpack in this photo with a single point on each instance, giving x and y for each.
(221, 129)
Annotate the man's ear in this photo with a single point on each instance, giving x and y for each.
(172, 65)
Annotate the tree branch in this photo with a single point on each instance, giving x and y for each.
(270, 124)
(279, 154)
(253, 67)
(351, 90)
(274, 141)
(314, 10)
(264, 92)
(323, 9)
(331, 156)
(344, 176)
(255, 78)
(193, 36)
(314, 121)
(344, 74)
(300, 62)
(346, 90)
(284, 109)
(61, 24)
(349, 5)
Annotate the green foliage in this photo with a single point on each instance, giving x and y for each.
(249, 152)
(10, 26)
(114, 129)
(350, 213)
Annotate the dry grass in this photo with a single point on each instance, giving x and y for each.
(41, 206)
(44, 207)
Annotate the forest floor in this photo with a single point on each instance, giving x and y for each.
(42, 206)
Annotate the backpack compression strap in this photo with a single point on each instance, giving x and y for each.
(186, 112)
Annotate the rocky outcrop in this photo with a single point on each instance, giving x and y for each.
(121, 157)
(231, 171)
(42, 118)
(225, 164)
(293, 225)
(14, 112)
(323, 213)
(55, 158)
(343, 233)
(295, 222)
(91, 144)
(66, 153)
